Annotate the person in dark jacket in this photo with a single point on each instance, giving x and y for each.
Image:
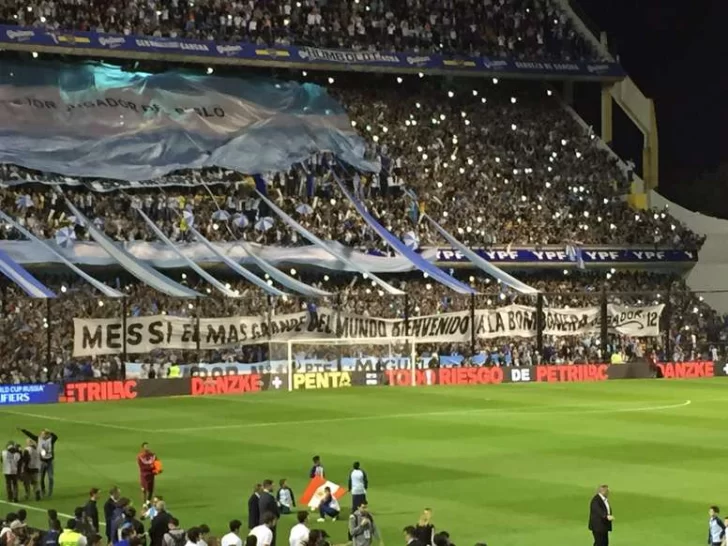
(117, 518)
(267, 503)
(160, 525)
(109, 507)
(425, 530)
(83, 525)
(91, 510)
(254, 507)
(50, 538)
(410, 537)
(600, 516)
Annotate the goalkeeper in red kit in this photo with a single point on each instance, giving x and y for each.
(148, 469)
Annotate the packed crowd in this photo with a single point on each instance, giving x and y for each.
(28, 338)
(500, 164)
(519, 28)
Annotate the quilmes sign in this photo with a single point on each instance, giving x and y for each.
(145, 334)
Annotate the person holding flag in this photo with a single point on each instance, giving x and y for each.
(149, 467)
(329, 506)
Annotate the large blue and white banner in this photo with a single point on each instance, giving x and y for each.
(91, 120)
(304, 57)
(155, 254)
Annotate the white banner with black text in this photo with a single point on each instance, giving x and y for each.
(144, 334)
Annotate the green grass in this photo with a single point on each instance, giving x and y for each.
(510, 465)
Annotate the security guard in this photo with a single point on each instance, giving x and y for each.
(174, 371)
(70, 537)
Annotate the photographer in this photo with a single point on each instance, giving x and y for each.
(11, 461)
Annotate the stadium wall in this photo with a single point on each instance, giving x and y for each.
(130, 389)
(709, 275)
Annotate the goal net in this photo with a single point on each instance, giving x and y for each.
(309, 360)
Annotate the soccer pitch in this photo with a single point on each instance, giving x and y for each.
(509, 465)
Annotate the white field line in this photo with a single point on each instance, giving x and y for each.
(573, 409)
(37, 509)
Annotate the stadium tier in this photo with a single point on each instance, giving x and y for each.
(34, 333)
(522, 29)
(496, 164)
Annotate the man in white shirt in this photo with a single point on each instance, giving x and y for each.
(299, 532)
(233, 537)
(358, 484)
(264, 531)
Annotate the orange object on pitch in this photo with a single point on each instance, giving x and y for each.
(157, 467)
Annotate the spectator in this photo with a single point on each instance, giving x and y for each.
(175, 535)
(233, 537)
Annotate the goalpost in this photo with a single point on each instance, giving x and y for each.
(333, 354)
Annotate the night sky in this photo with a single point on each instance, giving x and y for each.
(677, 53)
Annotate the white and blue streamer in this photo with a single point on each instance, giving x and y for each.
(481, 263)
(230, 293)
(284, 279)
(22, 277)
(145, 273)
(322, 245)
(418, 261)
(240, 270)
(101, 287)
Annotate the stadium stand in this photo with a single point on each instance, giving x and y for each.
(522, 29)
(538, 179)
(25, 331)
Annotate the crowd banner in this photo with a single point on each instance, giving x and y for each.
(93, 337)
(100, 121)
(90, 253)
(77, 42)
(36, 393)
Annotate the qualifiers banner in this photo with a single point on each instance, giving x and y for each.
(94, 337)
(18, 395)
